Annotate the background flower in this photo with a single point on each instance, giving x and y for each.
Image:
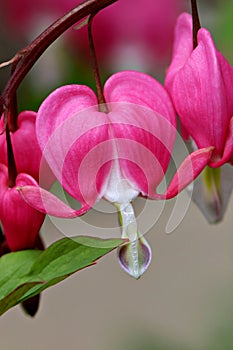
(142, 31)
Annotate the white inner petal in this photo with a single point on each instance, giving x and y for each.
(119, 190)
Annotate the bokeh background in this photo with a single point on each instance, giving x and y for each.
(184, 301)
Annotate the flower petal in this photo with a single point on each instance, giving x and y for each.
(141, 89)
(135, 256)
(200, 83)
(189, 169)
(61, 104)
(126, 257)
(70, 134)
(182, 47)
(227, 155)
(23, 141)
(143, 141)
(143, 125)
(212, 198)
(21, 223)
(47, 203)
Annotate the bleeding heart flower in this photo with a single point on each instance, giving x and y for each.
(200, 83)
(25, 145)
(21, 223)
(27, 153)
(116, 155)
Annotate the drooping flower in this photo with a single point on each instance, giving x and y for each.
(25, 145)
(21, 223)
(27, 153)
(116, 155)
(199, 81)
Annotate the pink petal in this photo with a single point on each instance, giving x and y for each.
(47, 203)
(189, 169)
(227, 155)
(143, 123)
(21, 223)
(200, 83)
(141, 89)
(69, 134)
(182, 47)
(23, 141)
(144, 141)
(63, 103)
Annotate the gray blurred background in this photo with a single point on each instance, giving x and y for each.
(184, 301)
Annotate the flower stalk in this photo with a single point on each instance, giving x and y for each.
(12, 170)
(196, 22)
(99, 87)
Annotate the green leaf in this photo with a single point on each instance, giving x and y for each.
(13, 269)
(14, 283)
(26, 273)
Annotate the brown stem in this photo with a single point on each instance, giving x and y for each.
(30, 54)
(13, 114)
(13, 108)
(196, 22)
(99, 88)
(12, 171)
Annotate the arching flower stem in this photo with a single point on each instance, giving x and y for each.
(13, 108)
(27, 57)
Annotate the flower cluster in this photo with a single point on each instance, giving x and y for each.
(118, 149)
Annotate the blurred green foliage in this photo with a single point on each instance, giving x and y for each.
(223, 31)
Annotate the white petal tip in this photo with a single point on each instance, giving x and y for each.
(135, 257)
